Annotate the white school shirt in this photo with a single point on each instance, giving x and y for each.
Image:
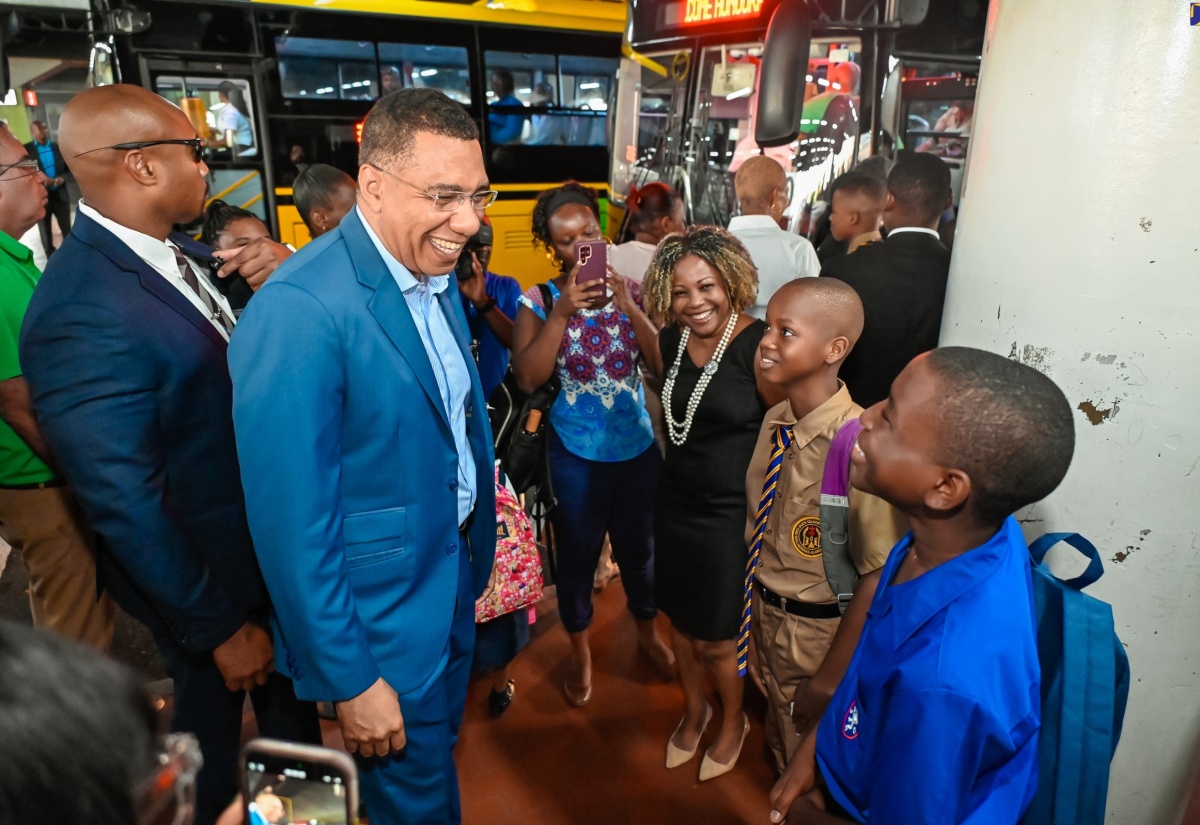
(779, 256)
(160, 256)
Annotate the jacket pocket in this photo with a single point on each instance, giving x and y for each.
(374, 535)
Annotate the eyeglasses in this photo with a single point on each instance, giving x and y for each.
(173, 783)
(28, 164)
(449, 201)
(196, 143)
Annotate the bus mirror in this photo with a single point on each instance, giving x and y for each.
(911, 12)
(781, 77)
(10, 25)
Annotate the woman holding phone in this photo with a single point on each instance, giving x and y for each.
(700, 284)
(603, 461)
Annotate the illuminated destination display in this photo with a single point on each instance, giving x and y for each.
(711, 11)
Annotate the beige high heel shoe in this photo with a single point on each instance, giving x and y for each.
(676, 755)
(711, 768)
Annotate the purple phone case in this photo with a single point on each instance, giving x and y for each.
(595, 265)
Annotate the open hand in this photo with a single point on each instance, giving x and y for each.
(372, 724)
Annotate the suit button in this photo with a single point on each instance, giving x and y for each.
(469, 411)
(453, 485)
(451, 549)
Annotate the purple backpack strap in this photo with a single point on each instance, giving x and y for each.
(840, 571)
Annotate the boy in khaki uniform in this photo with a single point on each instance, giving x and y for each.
(813, 323)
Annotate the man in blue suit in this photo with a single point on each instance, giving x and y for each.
(367, 457)
(123, 348)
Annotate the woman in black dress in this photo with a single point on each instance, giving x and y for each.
(700, 285)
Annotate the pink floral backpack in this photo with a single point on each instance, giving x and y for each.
(516, 580)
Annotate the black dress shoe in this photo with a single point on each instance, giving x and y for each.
(499, 700)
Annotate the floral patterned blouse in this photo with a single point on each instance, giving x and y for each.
(601, 413)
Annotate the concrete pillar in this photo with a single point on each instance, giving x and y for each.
(1078, 252)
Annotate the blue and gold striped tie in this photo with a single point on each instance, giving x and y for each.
(781, 441)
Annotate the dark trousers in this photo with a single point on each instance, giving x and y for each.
(594, 498)
(58, 207)
(419, 786)
(205, 707)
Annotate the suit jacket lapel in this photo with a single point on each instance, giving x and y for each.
(108, 244)
(390, 308)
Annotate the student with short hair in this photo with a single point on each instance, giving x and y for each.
(323, 194)
(936, 719)
(857, 212)
(812, 324)
(230, 227)
(902, 281)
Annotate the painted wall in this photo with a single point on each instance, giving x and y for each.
(1078, 252)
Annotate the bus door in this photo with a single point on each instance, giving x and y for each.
(223, 101)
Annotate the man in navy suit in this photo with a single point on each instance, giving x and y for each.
(124, 348)
(367, 456)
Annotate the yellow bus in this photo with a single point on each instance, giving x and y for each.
(288, 82)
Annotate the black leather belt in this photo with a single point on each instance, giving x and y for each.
(807, 610)
(37, 485)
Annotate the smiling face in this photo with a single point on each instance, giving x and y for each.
(241, 231)
(699, 298)
(425, 239)
(797, 342)
(894, 456)
(570, 224)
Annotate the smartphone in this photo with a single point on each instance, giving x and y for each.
(283, 782)
(593, 255)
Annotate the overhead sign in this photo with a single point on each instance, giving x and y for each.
(713, 11)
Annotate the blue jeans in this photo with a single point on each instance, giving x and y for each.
(594, 498)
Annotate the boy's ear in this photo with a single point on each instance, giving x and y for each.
(838, 349)
(951, 491)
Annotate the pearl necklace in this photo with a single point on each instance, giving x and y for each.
(678, 430)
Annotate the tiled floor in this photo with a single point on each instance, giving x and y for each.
(547, 763)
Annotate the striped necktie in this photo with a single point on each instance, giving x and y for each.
(780, 442)
(189, 277)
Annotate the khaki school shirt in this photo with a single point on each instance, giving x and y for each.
(790, 564)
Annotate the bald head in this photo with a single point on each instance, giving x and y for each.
(157, 185)
(760, 183)
(825, 303)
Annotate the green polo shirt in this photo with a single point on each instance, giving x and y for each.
(18, 277)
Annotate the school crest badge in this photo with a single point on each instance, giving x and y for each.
(806, 536)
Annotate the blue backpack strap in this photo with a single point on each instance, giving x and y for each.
(1095, 568)
(840, 571)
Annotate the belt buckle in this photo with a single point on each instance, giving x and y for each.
(783, 603)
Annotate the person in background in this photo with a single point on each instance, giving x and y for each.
(655, 211)
(124, 350)
(830, 116)
(54, 167)
(39, 515)
(323, 194)
(267, 809)
(548, 129)
(876, 166)
(937, 717)
(490, 304)
(812, 325)
(80, 737)
(857, 213)
(779, 256)
(233, 122)
(701, 284)
(228, 227)
(367, 457)
(604, 463)
(390, 80)
(504, 127)
(902, 281)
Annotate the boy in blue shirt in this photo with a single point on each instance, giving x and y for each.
(936, 718)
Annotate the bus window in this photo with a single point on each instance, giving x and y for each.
(221, 110)
(444, 68)
(313, 69)
(587, 84)
(648, 109)
(512, 78)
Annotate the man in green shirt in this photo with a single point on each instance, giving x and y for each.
(39, 516)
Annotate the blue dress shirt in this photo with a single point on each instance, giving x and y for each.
(936, 720)
(449, 367)
(46, 156)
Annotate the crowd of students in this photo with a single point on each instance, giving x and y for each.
(914, 700)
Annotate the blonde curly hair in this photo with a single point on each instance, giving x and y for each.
(715, 246)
